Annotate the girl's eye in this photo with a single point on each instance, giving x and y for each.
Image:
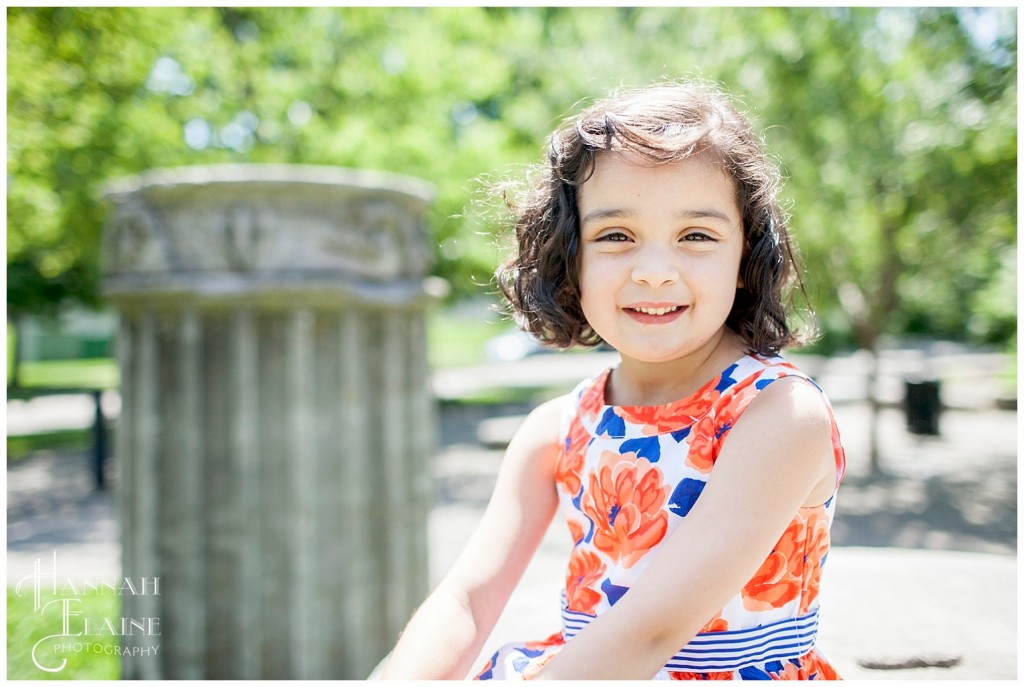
(698, 236)
(613, 236)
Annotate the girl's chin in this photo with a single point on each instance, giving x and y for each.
(649, 357)
(653, 355)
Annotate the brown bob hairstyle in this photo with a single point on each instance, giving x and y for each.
(664, 123)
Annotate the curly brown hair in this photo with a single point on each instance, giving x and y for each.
(663, 123)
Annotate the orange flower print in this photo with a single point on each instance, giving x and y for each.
(703, 449)
(839, 452)
(816, 548)
(727, 415)
(552, 640)
(567, 470)
(789, 671)
(624, 499)
(585, 570)
(716, 624)
(654, 419)
(575, 531)
(778, 581)
(814, 666)
(672, 416)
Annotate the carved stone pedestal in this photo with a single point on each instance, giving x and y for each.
(277, 426)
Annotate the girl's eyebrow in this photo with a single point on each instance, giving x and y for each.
(618, 213)
(606, 213)
(704, 213)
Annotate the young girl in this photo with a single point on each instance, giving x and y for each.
(697, 477)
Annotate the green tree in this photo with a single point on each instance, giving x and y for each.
(75, 80)
(896, 128)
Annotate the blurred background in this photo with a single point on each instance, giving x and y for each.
(896, 129)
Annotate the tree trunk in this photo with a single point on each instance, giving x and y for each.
(867, 332)
(874, 411)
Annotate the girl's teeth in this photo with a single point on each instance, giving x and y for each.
(657, 311)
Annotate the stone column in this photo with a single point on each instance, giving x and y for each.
(277, 427)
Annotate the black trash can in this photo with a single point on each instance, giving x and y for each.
(921, 401)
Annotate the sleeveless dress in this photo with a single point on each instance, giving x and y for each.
(626, 477)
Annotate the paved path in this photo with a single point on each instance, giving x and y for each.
(924, 563)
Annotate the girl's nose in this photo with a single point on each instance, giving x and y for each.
(655, 268)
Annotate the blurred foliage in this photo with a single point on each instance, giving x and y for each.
(897, 128)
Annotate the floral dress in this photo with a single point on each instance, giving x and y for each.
(626, 478)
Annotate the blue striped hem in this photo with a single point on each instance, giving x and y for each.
(731, 649)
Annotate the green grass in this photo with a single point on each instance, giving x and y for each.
(1008, 377)
(455, 339)
(25, 627)
(98, 373)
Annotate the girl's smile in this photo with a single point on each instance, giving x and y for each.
(660, 255)
(655, 314)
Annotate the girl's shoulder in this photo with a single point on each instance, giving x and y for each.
(754, 376)
(547, 418)
(797, 403)
(753, 373)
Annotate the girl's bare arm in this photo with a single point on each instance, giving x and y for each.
(447, 632)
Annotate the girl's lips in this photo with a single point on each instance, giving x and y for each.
(651, 318)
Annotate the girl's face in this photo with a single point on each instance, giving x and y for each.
(660, 250)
